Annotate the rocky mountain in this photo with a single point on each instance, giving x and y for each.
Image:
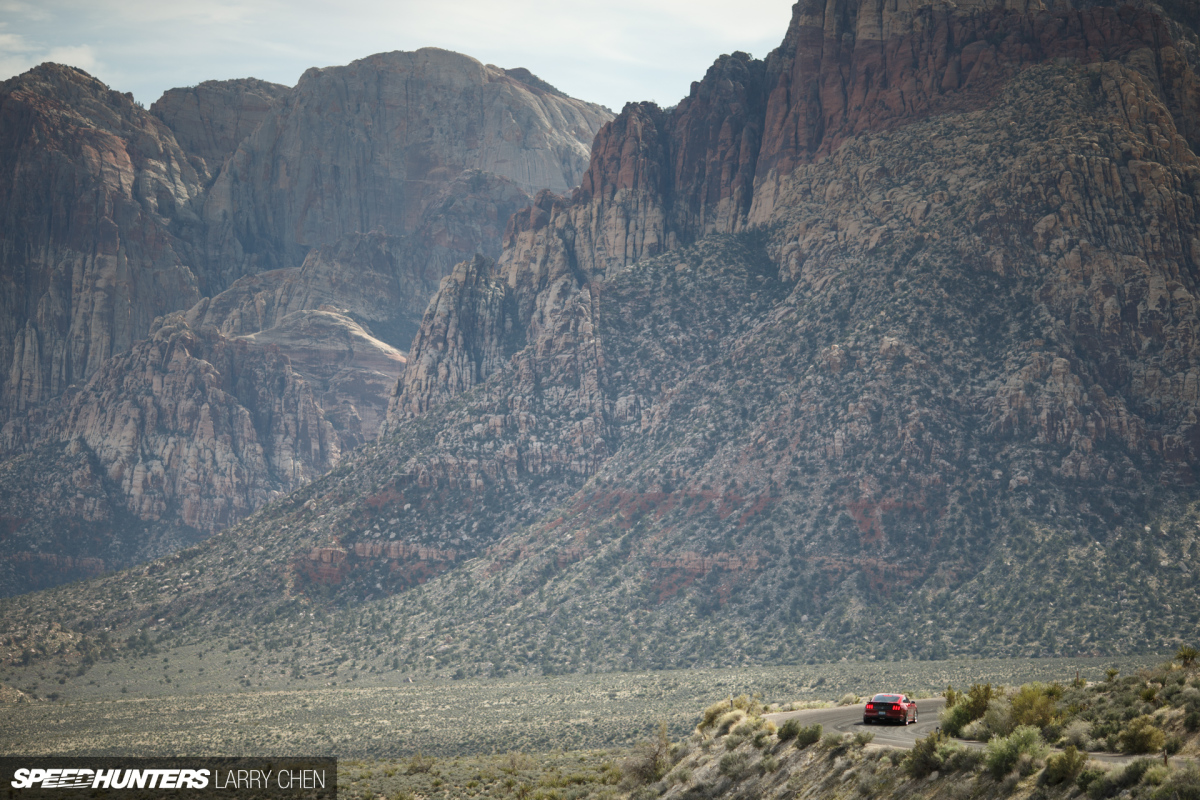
(211, 119)
(884, 346)
(183, 381)
(95, 196)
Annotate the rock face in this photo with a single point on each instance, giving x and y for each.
(94, 194)
(252, 381)
(211, 119)
(858, 319)
(393, 131)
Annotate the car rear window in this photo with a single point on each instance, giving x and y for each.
(886, 698)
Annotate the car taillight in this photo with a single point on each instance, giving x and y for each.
(870, 706)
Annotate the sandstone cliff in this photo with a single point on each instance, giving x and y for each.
(392, 131)
(211, 119)
(94, 192)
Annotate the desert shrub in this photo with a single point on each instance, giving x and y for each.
(956, 758)
(1181, 784)
(1192, 721)
(1141, 735)
(419, 764)
(789, 729)
(998, 719)
(864, 738)
(1004, 752)
(810, 734)
(683, 775)
(979, 697)
(1112, 783)
(1186, 655)
(952, 696)
(1156, 775)
(763, 736)
(848, 699)
(967, 707)
(728, 720)
(924, 758)
(749, 706)
(1089, 776)
(650, 760)
(768, 763)
(955, 718)
(733, 765)
(832, 741)
(1064, 767)
(1078, 734)
(1034, 704)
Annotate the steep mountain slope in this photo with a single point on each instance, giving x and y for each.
(920, 381)
(179, 426)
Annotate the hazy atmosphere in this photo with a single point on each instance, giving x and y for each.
(608, 53)
(546, 401)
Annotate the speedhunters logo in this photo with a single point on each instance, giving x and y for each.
(289, 778)
(68, 778)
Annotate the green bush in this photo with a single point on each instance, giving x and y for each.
(1186, 655)
(1111, 784)
(924, 759)
(1089, 776)
(1064, 767)
(733, 765)
(1034, 704)
(1003, 752)
(768, 763)
(955, 718)
(789, 729)
(1183, 784)
(967, 707)
(810, 734)
(1141, 736)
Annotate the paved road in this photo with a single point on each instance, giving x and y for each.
(849, 719)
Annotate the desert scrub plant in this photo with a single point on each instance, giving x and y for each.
(808, 735)
(1142, 736)
(1078, 734)
(1004, 753)
(733, 765)
(1063, 767)
(788, 730)
(768, 763)
(651, 759)
(1112, 783)
(1186, 655)
(1036, 704)
(924, 759)
(967, 707)
(728, 720)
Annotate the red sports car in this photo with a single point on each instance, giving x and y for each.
(890, 708)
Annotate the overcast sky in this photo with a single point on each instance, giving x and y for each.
(607, 52)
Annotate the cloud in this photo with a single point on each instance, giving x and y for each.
(81, 56)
